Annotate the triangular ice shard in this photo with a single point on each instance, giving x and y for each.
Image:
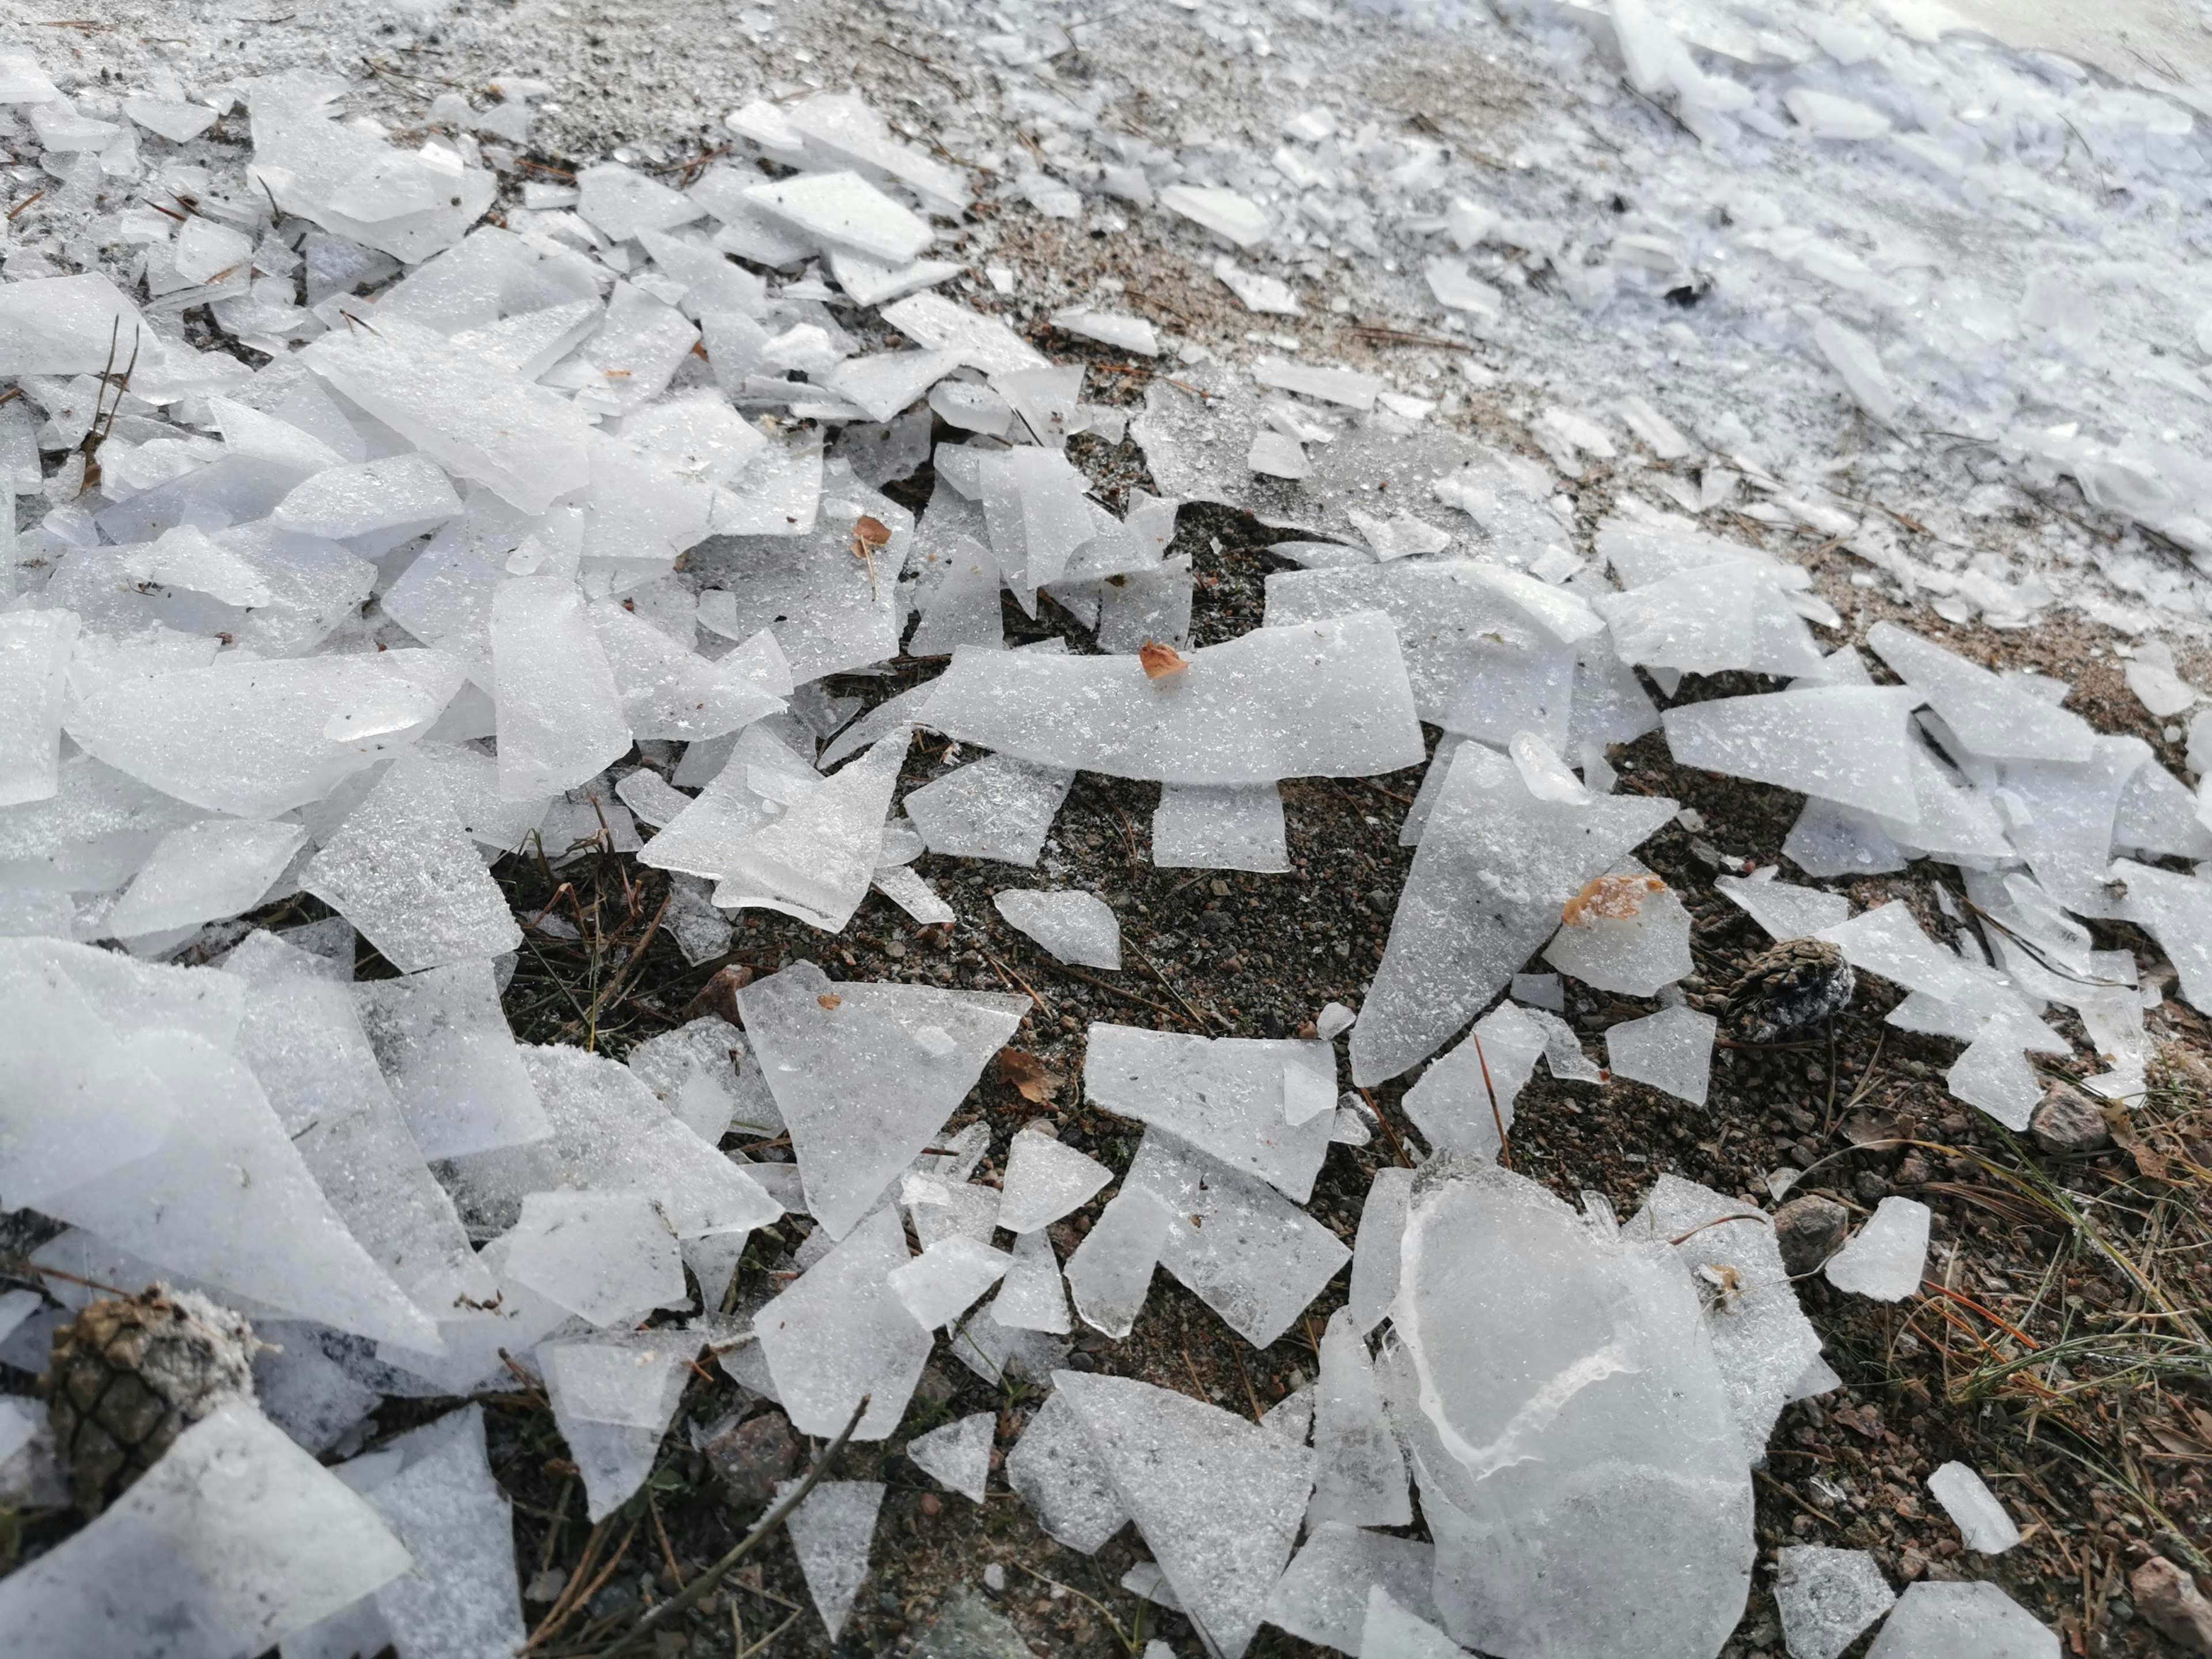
(1375, 1250)
(959, 1453)
(460, 1596)
(1322, 1594)
(1044, 1181)
(831, 1532)
(815, 860)
(1033, 1296)
(612, 1395)
(840, 1331)
(1111, 1271)
(861, 1076)
(997, 807)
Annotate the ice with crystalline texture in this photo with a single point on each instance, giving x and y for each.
(35, 657)
(845, 209)
(613, 1395)
(1579, 1466)
(1494, 866)
(853, 1080)
(942, 1282)
(1374, 1250)
(559, 712)
(623, 202)
(1936, 1619)
(816, 860)
(1464, 1102)
(1784, 909)
(667, 690)
(1074, 926)
(1843, 742)
(1223, 1095)
(1991, 715)
(1982, 1520)
(1111, 1270)
(607, 1257)
(1054, 1470)
(446, 1052)
(1887, 1256)
(1320, 699)
(216, 867)
(1224, 212)
(1322, 1594)
(1046, 1180)
(994, 808)
(446, 1508)
(1392, 1632)
(1359, 1474)
(1826, 1597)
(1033, 1296)
(694, 1071)
(402, 870)
(1218, 1499)
(840, 1331)
(1710, 619)
(1625, 933)
(235, 1539)
(959, 1455)
(352, 501)
(1887, 941)
(984, 342)
(1671, 1050)
(831, 1531)
(258, 738)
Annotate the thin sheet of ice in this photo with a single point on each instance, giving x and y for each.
(1054, 1470)
(1464, 1100)
(1110, 1272)
(840, 1331)
(444, 1045)
(1360, 1472)
(1200, 826)
(1983, 1522)
(1074, 926)
(1886, 1257)
(1843, 742)
(1033, 1296)
(1936, 1619)
(605, 1256)
(1784, 909)
(1322, 1594)
(1223, 1095)
(944, 1280)
(1046, 1180)
(997, 807)
(613, 1395)
(1991, 716)
(1671, 1050)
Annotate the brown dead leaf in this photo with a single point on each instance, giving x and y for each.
(2149, 1159)
(1029, 1076)
(1614, 897)
(1161, 660)
(719, 995)
(868, 534)
(829, 1001)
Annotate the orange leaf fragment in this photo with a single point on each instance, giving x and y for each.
(1029, 1076)
(1614, 897)
(868, 534)
(829, 1001)
(1161, 660)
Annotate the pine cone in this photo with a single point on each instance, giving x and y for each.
(1798, 983)
(129, 1374)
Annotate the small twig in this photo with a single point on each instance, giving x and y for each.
(1772, 1484)
(1172, 992)
(1497, 1117)
(660, 1530)
(1717, 1221)
(25, 203)
(1250, 1393)
(1128, 996)
(757, 1646)
(1376, 332)
(614, 987)
(1396, 1145)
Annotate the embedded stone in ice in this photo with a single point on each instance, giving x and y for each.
(1982, 1520)
(560, 711)
(845, 209)
(1671, 1050)
(1885, 1258)
(1359, 1475)
(1237, 1244)
(605, 1256)
(1033, 1296)
(613, 1395)
(235, 1539)
(994, 808)
(1223, 1095)
(1375, 1250)
(1784, 909)
(942, 1282)
(1844, 743)
(1826, 1597)
(840, 1331)
(1055, 1471)
(959, 1455)
(1234, 826)
(215, 868)
(1046, 1180)
(1494, 868)
(35, 658)
(831, 1531)
(1111, 1270)
(816, 860)
(609, 1134)
(1218, 1499)
(1391, 1632)
(1074, 926)
(1632, 936)
(1464, 1100)
(445, 1507)
(1322, 1594)
(1991, 715)
(259, 738)
(849, 1071)
(402, 871)
(1936, 1619)
(444, 1046)
(1318, 699)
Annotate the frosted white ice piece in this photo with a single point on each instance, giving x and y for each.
(1334, 1021)
(1992, 716)
(1855, 359)
(959, 1455)
(391, 490)
(1113, 328)
(605, 1256)
(1202, 826)
(668, 691)
(1392, 1632)
(1708, 620)
(34, 658)
(1359, 1474)
(2176, 910)
(1218, 1499)
(816, 860)
(1844, 743)
(884, 383)
(848, 1068)
(1456, 288)
(984, 342)
(1828, 115)
(216, 867)
(1318, 699)
(1046, 1180)
(560, 718)
(451, 1063)
(1055, 1471)
(1223, 1095)
(1033, 1297)
(1634, 955)
(1982, 1520)
(944, 1280)
(235, 1539)
(1886, 1257)
(1494, 866)
(994, 808)
(1994, 1074)
(1322, 1594)
(831, 1531)
(2062, 818)
(613, 1395)
(1671, 1050)
(1936, 1619)
(1276, 455)
(461, 1595)
(1826, 1597)
(840, 1331)
(845, 209)
(1374, 1250)
(1238, 218)
(622, 202)
(1257, 291)
(700, 1072)
(1111, 1271)
(1465, 1099)
(1784, 909)
(1074, 926)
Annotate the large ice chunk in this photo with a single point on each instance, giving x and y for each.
(1225, 1095)
(816, 860)
(1844, 743)
(1711, 619)
(1325, 698)
(1034, 1298)
(840, 1331)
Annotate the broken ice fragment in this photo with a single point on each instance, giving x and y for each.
(1464, 1102)
(1392, 1632)
(831, 1531)
(1033, 1296)
(816, 860)
(1322, 1594)
(1844, 743)
(448, 1509)
(1046, 1180)
(1113, 328)
(613, 1395)
(1784, 909)
(845, 209)
(885, 383)
(994, 808)
(1992, 716)
(1982, 1520)
(1224, 212)
(606, 1256)
(1359, 1474)
(959, 1455)
(352, 501)
(1223, 1095)
(1826, 1597)
(1074, 926)
(559, 712)
(1886, 940)
(1111, 1270)
(984, 342)
(1054, 1470)
(942, 1282)
(34, 658)
(1201, 826)
(1885, 1258)
(1256, 290)
(446, 1050)
(623, 202)
(215, 868)
(1671, 1050)
(1275, 455)
(1938, 1619)
(840, 1331)
(1457, 289)
(1633, 938)
(1375, 1250)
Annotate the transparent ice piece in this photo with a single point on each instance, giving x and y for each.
(1223, 211)
(831, 1532)
(695, 1071)
(1938, 1619)
(1033, 1296)
(959, 1455)
(1982, 1520)
(451, 1063)
(1991, 716)
(560, 718)
(460, 1596)
(1710, 620)
(845, 209)
(994, 808)
(1392, 1632)
(944, 1280)
(606, 1256)
(1784, 909)
(1634, 955)
(1046, 1180)
(1672, 1050)
(1374, 1250)
(1073, 926)
(1886, 1257)
(1223, 1095)
(840, 1331)
(816, 860)
(1200, 826)
(1844, 743)
(215, 868)
(1826, 1597)
(1111, 1270)
(613, 1395)
(1887, 941)
(1322, 1594)
(667, 691)
(1054, 1470)
(1464, 1100)
(35, 657)
(1359, 1474)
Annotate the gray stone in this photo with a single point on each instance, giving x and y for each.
(751, 1458)
(1808, 1230)
(2166, 1595)
(2068, 1121)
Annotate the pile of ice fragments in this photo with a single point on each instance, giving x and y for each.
(565, 520)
